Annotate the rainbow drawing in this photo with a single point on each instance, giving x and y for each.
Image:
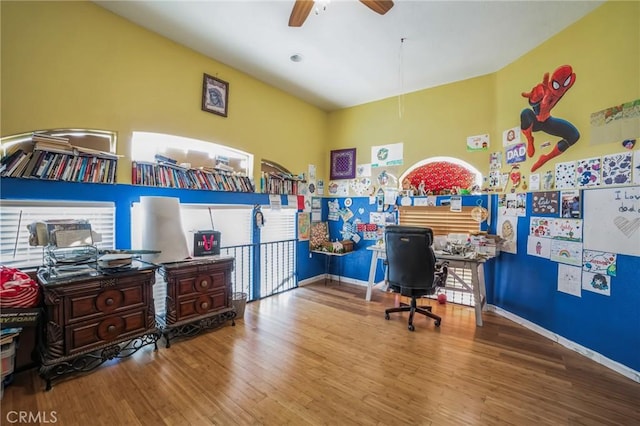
(564, 253)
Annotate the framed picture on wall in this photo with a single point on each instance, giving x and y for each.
(343, 164)
(215, 95)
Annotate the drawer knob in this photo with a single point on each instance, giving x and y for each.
(108, 302)
(204, 283)
(111, 328)
(204, 305)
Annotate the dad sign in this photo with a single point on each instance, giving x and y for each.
(516, 153)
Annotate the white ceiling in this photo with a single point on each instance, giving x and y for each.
(351, 55)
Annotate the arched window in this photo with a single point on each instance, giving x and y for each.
(440, 175)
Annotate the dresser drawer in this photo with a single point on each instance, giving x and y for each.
(103, 330)
(201, 305)
(200, 284)
(104, 301)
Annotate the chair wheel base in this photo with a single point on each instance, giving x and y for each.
(386, 316)
(411, 327)
(437, 323)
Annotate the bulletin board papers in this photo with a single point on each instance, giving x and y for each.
(599, 262)
(569, 252)
(569, 279)
(616, 123)
(507, 229)
(566, 175)
(566, 229)
(304, 226)
(537, 246)
(545, 202)
(387, 155)
(616, 169)
(612, 220)
(597, 283)
(478, 143)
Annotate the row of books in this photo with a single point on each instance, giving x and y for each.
(53, 165)
(172, 176)
(272, 183)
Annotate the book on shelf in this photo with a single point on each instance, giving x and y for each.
(49, 138)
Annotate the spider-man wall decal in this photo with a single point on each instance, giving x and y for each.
(542, 98)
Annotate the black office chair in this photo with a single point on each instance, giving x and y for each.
(412, 268)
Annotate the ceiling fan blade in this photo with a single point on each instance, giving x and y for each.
(378, 6)
(300, 11)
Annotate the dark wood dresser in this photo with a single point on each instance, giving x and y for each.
(198, 297)
(92, 318)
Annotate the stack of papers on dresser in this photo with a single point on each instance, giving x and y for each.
(116, 260)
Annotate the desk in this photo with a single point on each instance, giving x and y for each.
(476, 286)
(327, 262)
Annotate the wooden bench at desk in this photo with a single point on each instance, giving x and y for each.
(476, 287)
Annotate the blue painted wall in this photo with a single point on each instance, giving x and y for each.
(609, 325)
(523, 285)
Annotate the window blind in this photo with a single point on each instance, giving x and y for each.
(440, 219)
(15, 250)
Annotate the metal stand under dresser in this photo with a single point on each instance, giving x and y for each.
(198, 296)
(92, 318)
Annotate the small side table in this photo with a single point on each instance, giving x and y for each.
(328, 256)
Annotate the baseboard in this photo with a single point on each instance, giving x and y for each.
(334, 278)
(595, 356)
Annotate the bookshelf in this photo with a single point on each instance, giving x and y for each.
(63, 155)
(276, 179)
(168, 175)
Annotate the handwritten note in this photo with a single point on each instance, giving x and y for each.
(612, 220)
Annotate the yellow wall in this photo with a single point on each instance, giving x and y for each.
(75, 64)
(604, 50)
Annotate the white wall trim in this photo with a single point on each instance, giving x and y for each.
(595, 356)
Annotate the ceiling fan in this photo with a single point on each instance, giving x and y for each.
(301, 9)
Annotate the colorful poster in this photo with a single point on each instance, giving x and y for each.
(597, 283)
(599, 262)
(566, 229)
(569, 279)
(545, 202)
(565, 175)
(540, 247)
(569, 252)
(478, 143)
(588, 172)
(616, 169)
(611, 220)
(511, 136)
(304, 226)
(387, 155)
(616, 123)
(540, 227)
(516, 153)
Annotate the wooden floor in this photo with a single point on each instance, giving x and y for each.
(322, 355)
